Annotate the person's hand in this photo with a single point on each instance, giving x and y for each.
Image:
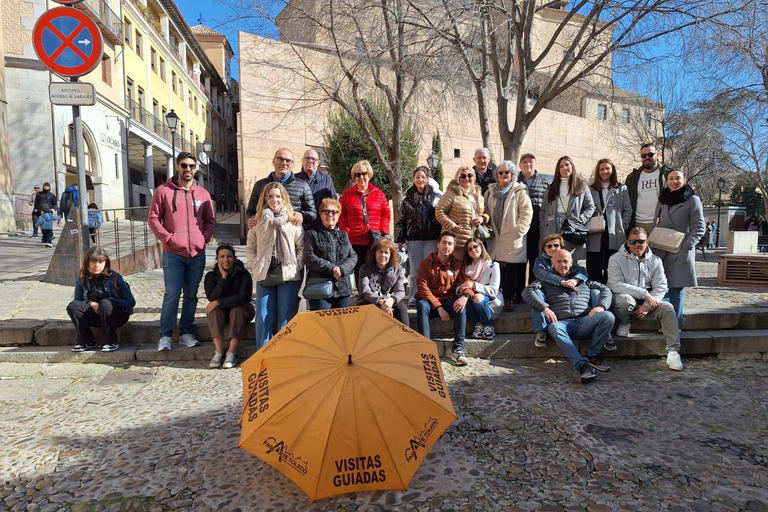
(223, 273)
(596, 310)
(466, 285)
(298, 219)
(550, 316)
(386, 305)
(444, 316)
(460, 303)
(652, 303)
(570, 283)
(336, 273)
(211, 306)
(94, 306)
(641, 311)
(477, 221)
(252, 222)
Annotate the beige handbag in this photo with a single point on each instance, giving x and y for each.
(596, 224)
(665, 239)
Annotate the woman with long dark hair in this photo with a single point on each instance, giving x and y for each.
(382, 280)
(483, 276)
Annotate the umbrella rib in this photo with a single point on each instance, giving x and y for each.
(331, 423)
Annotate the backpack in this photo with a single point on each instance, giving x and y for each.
(67, 201)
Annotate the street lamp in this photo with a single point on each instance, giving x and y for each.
(720, 187)
(433, 161)
(172, 120)
(207, 146)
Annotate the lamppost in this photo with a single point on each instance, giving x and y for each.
(720, 187)
(205, 158)
(172, 120)
(433, 161)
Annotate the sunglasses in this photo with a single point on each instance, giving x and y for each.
(552, 246)
(647, 155)
(360, 174)
(330, 212)
(503, 173)
(635, 242)
(465, 176)
(188, 166)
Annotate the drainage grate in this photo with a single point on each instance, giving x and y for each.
(127, 377)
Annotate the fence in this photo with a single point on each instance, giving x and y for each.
(23, 208)
(124, 231)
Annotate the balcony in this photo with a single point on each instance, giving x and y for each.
(155, 125)
(108, 21)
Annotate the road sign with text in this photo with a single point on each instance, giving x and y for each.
(68, 42)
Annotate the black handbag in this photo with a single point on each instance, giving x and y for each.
(274, 274)
(574, 233)
(373, 235)
(318, 288)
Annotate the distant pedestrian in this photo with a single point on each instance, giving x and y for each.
(44, 200)
(94, 220)
(182, 218)
(35, 214)
(70, 198)
(223, 203)
(712, 234)
(102, 299)
(46, 226)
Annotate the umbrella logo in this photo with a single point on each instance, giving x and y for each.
(420, 441)
(365, 469)
(285, 331)
(258, 394)
(283, 455)
(432, 373)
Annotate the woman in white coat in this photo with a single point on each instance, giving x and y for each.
(483, 277)
(510, 211)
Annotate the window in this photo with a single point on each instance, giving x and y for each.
(647, 120)
(189, 96)
(139, 49)
(181, 131)
(195, 105)
(173, 81)
(181, 87)
(141, 98)
(153, 59)
(128, 31)
(602, 112)
(456, 153)
(129, 91)
(625, 115)
(106, 70)
(155, 109)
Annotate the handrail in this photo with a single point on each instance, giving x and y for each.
(135, 235)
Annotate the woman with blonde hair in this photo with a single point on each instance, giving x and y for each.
(365, 213)
(462, 208)
(272, 249)
(382, 280)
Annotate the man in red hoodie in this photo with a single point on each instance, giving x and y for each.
(181, 217)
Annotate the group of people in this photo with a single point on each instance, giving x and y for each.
(45, 206)
(468, 249)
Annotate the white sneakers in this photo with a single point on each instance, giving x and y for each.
(674, 362)
(623, 330)
(164, 344)
(188, 340)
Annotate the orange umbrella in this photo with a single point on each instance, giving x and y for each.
(345, 400)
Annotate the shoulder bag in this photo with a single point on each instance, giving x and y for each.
(597, 223)
(372, 234)
(318, 288)
(665, 239)
(274, 275)
(482, 231)
(571, 231)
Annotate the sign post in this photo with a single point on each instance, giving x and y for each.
(70, 44)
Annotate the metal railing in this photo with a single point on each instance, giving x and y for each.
(124, 231)
(106, 17)
(155, 125)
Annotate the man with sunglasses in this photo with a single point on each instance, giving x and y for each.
(638, 282)
(181, 216)
(644, 185)
(302, 202)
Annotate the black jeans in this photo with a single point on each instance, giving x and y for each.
(35, 216)
(512, 281)
(533, 251)
(109, 317)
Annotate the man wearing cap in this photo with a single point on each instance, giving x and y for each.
(45, 199)
(537, 186)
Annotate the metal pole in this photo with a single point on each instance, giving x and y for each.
(719, 204)
(172, 168)
(81, 183)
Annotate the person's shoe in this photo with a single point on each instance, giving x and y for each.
(508, 305)
(188, 340)
(34, 235)
(83, 348)
(110, 347)
(230, 361)
(49, 245)
(610, 345)
(586, 373)
(412, 304)
(164, 344)
(598, 363)
(674, 362)
(623, 330)
(216, 360)
(478, 332)
(541, 339)
(460, 358)
(489, 332)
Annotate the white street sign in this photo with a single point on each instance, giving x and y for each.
(76, 93)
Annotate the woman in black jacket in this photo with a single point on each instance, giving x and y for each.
(417, 227)
(228, 288)
(330, 261)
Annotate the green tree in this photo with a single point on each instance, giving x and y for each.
(346, 144)
(744, 195)
(436, 147)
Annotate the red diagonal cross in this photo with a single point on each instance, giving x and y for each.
(66, 42)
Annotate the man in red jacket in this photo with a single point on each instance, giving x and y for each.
(181, 217)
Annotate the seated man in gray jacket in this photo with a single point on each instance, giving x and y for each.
(570, 316)
(638, 282)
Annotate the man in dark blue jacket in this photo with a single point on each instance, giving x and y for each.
(320, 183)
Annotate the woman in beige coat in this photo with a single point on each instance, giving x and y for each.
(461, 209)
(272, 249)
(510, 212)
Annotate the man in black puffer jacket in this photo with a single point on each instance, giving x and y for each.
(570, 316)
(537, 186)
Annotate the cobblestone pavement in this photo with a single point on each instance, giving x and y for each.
(529, 437)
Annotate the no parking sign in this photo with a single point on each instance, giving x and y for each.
(68, 42)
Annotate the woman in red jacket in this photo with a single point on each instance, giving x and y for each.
(365, 213)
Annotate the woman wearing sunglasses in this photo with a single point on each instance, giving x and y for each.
(483, 276)
(462, 208)
(611, 199)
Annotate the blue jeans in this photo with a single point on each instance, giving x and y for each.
(598, 326)
(180, 273)
(418, 250)
(424, 311)
(333, 303)
(274, 301)
(675, 297)
(479, 313)
(539, 322)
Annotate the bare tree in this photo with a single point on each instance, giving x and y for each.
(534, 50)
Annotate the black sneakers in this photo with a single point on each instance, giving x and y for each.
(588, 374)
(83, 348)
(598, 363)
(610, 345)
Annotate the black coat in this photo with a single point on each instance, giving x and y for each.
(537, 193)
(325, 249)
(44, 199)
(417, 216)
(234, 291)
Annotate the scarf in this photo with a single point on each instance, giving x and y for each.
(680, 195)
(501, 195)
(283, 241)
(475, 269)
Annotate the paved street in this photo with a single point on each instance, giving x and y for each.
(529, 437)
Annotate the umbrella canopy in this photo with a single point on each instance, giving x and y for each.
(345, 400)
